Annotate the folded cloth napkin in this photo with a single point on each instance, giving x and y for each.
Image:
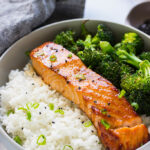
(19, 17)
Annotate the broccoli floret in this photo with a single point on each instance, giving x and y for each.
(137, 85)
(115, 69)
(84, 31)
(103, 34)
(86, 44)
(67, 40)
(145, 56)
(131, 42)
(110, 70)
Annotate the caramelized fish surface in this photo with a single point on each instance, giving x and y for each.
(95, 95)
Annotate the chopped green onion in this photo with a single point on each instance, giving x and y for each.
(18, 140)
(53, 58)
(87, 123)
(22, 108)
(27, 53)
(104, 111)
(135, 106)
(105, 124)
(27, 105)
(122, 93)
(35, 105)
(28, 113)
(11, 111)
(41, 140)
(59, 111)
(67, 147)
(69, 55)
(80, 76)
(89, 66)
(51, 106)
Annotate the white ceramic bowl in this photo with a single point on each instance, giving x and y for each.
(15, 57)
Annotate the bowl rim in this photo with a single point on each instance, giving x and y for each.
(2, 131)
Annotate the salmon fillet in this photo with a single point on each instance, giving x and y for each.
(95, 95)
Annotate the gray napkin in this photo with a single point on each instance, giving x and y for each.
(19, 17)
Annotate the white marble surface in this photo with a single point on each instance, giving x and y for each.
(110, 10)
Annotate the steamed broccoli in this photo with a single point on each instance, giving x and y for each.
(103, 34)
(67, 40)
(137, 85)
(84, 31)
(131, 42)
(86, 44)
(145, 56)
(113, 70)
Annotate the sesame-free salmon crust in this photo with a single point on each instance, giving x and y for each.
(95, 95)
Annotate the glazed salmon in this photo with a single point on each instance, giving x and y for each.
(117, 124)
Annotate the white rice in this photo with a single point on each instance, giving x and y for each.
(60, 130)
(26, 87)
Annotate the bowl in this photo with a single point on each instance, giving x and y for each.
(14, 57)
(138, 14)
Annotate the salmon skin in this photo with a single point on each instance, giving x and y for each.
(117, 124)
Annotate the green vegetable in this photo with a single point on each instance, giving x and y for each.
(145, 56)
(18, 140)
(103, 34)
(80, 76)
(28, 113)
(35, 105)
(135, 105)
(131, 42)
(67, 40)
(69, 55)
(28, 105)
(11, 111)
(84, 31)
(137, 85)
(27, 53)
(53, 58)
(41, 140)
(104, 111)
(105, 124)
(60, 111)
(87, 123)
(122, 93)
(51, 106)
(67, 147)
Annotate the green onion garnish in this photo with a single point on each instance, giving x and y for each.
(104, 111)
(105, 124)
(67, 147)
(28, 105)
(135, 106)
(51, 106)
(35, 105)
(53, 58)
(11, 111)
(28, 113)
(122, 93)
(69, 55)
(87, 123)
(41, 140)
(27, 53)
(18, 140)
(22, 108)
(80, 76)
(59, 111)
